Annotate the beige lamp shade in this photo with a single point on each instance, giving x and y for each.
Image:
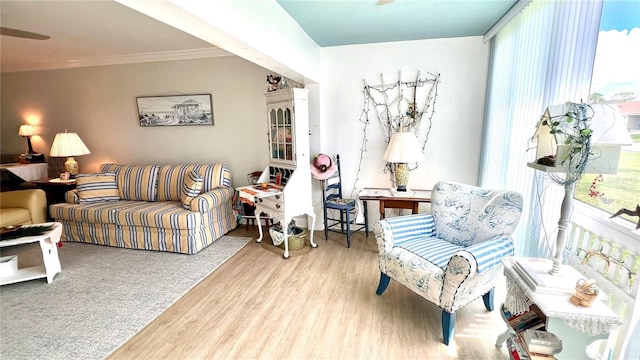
(69, 145)
(403, 148)
(26, 130)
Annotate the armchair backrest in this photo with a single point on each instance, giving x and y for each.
(465, 215)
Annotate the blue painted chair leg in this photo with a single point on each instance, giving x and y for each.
(348, 230)
(448, 321)
(488, 300)
(384, 282)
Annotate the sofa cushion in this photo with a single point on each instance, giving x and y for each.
(161, 214)
(171, 178)
(191, 187)
(104, 212)
(135, 182)
(99, 187)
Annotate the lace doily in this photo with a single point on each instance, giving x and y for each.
(595, 320)
(517, 302)
(591, 325)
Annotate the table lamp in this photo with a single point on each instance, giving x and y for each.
(403, 148)
(27, 132)
(69, 145)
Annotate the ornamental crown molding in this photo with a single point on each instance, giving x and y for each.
(119, 60)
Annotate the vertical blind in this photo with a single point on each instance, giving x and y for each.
(543, 56)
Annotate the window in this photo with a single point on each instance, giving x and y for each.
(616, 80)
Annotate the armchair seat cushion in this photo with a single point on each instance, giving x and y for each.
(14, 216)
(439, 252)
(434, 250)
(23, 207)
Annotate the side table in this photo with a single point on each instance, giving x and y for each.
(392, 199)
(576, 326)
(55, 190)
(49, 246)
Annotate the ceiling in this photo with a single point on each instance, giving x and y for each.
(331, 23)
(106, 32)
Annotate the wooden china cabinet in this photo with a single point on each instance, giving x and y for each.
(284, 188)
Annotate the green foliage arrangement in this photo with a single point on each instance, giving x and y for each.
(574, 128)
(26, 231)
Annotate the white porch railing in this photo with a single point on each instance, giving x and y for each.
(608, 250)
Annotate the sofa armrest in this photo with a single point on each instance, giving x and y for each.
(391, 231)
(72, 197)
(212, 199)
(34, 200)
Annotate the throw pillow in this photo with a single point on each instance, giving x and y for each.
(135, 182)
(191, 187)
(99, 187)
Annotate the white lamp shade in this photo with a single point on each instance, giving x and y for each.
(26, 130)
(403, 148)
(68, 144)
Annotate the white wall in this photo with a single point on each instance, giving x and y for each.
(99, 103)
(453, 149)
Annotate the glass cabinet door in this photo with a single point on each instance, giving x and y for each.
(281, 134)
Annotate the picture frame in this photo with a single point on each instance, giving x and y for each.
(175, 110)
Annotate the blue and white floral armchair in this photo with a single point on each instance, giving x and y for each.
(450, 257)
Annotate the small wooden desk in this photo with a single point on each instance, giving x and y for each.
(392, 199)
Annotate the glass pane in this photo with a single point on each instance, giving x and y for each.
(289, 152)
(287, 134)
(272, 117)
(287, 116)
(616, 81)
(280, 116)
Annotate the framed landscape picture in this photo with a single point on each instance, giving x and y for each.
(175, 110)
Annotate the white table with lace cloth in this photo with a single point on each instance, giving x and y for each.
(576, 326)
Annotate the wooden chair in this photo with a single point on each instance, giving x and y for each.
(343, 208)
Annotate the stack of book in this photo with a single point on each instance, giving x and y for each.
(518, 350)
(541, 342)
(529, 320)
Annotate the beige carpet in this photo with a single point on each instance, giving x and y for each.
(102, 298)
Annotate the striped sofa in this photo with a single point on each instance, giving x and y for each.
(452, 256)
(150, 212)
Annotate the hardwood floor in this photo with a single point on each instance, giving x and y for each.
(321, 305)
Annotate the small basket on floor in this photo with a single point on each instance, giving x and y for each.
(296, 239)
